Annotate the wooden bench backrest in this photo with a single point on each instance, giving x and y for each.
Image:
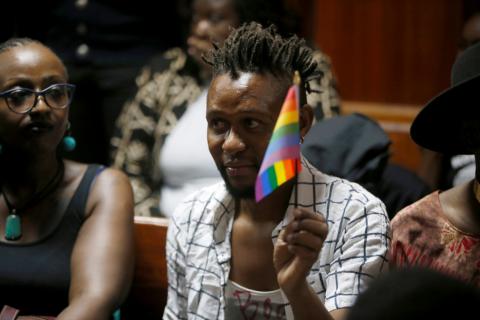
(148, 294)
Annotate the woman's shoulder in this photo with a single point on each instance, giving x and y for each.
(110, 191)
(104, 180)
(424, 211)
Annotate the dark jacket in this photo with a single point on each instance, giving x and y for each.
(356, 148)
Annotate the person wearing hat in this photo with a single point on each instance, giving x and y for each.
(442, 230)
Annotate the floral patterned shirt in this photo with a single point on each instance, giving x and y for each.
(423, 236)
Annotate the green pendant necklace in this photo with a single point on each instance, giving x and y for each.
(13, 223)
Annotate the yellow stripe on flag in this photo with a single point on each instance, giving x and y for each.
(280, 172)
(287, 118)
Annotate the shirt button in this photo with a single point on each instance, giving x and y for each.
(80, 4)
(81, 29)
(82, 50)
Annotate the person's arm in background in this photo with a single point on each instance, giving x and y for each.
(132, 147)
(165, 89)
(102, 259)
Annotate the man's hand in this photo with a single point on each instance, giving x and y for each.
(297, 248)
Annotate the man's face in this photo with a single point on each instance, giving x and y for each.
(241, 115)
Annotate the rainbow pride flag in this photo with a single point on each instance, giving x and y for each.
(282, 158)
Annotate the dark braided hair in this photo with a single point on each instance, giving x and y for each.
(252, 48)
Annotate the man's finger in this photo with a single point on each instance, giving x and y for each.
(316, 227)
(302, 213)
(305, 239)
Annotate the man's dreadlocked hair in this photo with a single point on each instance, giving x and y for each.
(252, 48)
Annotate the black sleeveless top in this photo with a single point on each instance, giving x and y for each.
(35, 277)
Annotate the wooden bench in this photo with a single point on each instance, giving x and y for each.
(148, 294)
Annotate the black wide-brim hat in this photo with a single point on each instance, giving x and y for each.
(450, 122)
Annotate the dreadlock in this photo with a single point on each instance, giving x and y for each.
(252, 48)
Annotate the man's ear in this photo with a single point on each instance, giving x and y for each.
(306, 119)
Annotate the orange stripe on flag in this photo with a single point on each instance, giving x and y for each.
(289, 105)
(289, 168)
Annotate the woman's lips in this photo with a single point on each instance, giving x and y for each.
(38, 127)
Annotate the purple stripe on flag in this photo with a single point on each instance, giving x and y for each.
(262, 186)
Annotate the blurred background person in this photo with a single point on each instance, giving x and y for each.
(160, 140)
(104, 44)
(442, 230)
(444, 171)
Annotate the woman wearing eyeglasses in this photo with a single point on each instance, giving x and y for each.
(66, 228)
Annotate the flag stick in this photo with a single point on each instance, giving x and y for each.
(297, 81)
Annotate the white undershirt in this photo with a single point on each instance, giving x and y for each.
(243, 303)
(185, 161)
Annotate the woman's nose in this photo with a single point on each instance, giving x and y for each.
(40, 105)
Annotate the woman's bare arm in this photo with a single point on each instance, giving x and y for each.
(103, 259)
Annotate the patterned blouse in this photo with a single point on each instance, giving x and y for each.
(165, 87)
(423, 236)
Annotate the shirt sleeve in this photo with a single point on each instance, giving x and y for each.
(176, 307)
(360, 254)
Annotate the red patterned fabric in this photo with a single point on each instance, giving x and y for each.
(423, 236)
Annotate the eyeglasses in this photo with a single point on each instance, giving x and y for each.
(23, 100)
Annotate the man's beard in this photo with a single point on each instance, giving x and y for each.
(245, 193)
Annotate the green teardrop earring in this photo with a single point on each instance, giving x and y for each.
(69, 142)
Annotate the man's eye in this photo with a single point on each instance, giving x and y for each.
(217, 125)
(252, 123)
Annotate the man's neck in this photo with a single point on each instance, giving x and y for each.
(270, 209)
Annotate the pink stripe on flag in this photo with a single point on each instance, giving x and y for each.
(285, 153)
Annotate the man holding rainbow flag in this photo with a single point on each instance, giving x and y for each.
(278, 239)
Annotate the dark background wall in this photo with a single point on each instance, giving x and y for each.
(390, 56)
(388, 50)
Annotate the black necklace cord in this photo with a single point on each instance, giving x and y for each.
(41, 194)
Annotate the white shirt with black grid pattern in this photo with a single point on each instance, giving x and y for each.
(199, 248)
